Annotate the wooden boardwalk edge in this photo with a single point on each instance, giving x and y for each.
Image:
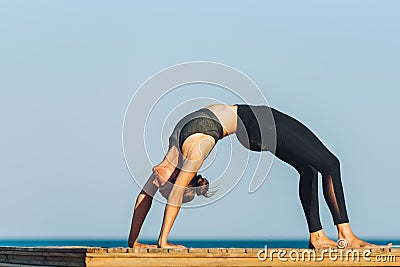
(96, 256)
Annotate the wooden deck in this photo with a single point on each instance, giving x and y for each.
(92, 256)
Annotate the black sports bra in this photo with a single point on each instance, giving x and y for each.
(200, 121)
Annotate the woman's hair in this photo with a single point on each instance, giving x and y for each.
(197, 186)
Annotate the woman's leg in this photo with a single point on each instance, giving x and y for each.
(308, 192)
(296, 143)
(298, 146)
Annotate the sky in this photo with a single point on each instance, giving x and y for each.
(68, 70)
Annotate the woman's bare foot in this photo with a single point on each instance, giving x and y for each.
(169, 245)
(140, 245)
(355, 242)
(351, 240)
(318, 239)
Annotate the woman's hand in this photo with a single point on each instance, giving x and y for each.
(169, 245)
(140, 245)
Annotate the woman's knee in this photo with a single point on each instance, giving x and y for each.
(306, 170)
(332, 165)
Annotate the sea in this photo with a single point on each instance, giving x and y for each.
(106, 243)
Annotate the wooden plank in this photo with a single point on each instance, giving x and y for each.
(19, 265)
(157, 250)
(96, 250)
(178, 251)
(217, 250)
(209, 261)
(252, 250)
(235, 250)
(46, 249)
(198, 250)
(168, 255)
(172, 262)
(94, 256)
(117, 250)
(42, 261)
(45, 254)
(138, 250)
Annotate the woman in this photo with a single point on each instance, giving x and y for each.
(195, 136)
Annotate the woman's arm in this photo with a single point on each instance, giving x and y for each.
(195, 149)
(145, 197)
(142, 207)
(173, 206)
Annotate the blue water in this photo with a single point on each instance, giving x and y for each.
(187, 243)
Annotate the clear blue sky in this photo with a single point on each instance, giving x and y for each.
(69, 68)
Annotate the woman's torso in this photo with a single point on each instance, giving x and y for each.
(254, 126)
(227, 116)
(217, 120)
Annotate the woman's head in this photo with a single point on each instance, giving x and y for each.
(197, 186)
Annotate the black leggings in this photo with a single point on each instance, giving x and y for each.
(299, 147)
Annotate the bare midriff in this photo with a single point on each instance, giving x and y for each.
(227, 116)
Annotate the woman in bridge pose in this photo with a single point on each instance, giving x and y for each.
(197, 133)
